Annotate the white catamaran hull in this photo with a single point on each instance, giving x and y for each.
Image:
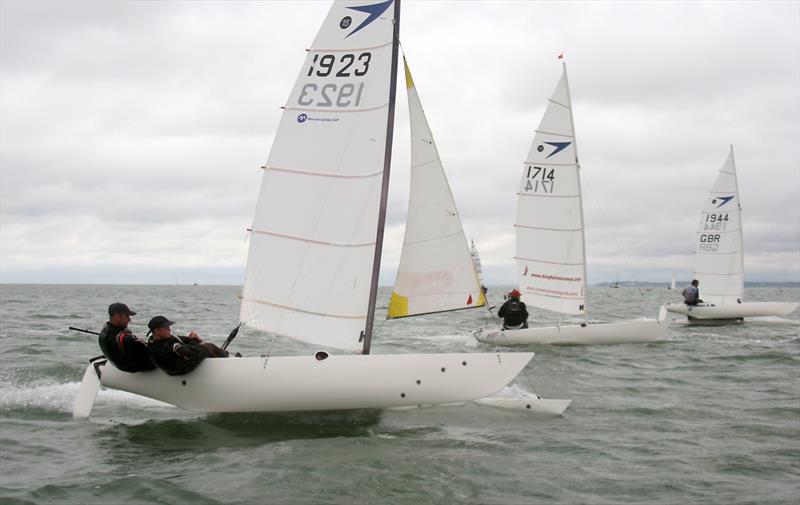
(305, 383)
(645, 330)
(710, 311)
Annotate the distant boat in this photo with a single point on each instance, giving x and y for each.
(551, 254)
(719, 258)
(674, 280)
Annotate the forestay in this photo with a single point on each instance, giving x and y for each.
(436, 272)
(313, 236)
(718, 252)
(550, 243)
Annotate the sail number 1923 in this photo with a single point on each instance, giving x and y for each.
(346, 65)
(335, 94)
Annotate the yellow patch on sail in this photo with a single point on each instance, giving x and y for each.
(409, 80)
(398, 306)
(481, 300)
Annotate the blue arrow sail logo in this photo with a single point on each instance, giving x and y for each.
(725, 199)
(560, 146)
(374, 11)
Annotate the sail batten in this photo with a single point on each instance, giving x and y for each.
(436, 271)
(332, 109)
(324, 174)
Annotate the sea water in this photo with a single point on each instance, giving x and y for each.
(709, 415)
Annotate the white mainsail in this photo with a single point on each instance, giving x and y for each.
(718, 252)
(312, 244)
(551, 257)
(436, 273)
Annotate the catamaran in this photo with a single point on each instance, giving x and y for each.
(719, 259)
(551, 253)
(315, 250)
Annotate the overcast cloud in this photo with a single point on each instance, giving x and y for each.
(131, 133)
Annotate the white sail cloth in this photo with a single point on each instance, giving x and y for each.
(718, 249)
(313, 236)
(436, 272)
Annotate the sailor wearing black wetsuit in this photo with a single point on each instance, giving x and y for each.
(178, 355)
(125, 350)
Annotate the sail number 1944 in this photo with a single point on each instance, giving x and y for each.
(715, 222)
(334, 94)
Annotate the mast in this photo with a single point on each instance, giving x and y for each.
(580, 192)
(741, 232)
(387, 164)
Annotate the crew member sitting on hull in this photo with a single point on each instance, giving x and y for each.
(125, 350)
(691, 293)
(178, 355)
(513, 312)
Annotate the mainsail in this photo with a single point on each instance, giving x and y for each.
(718, 252)
(551, 257)
(436, 273)
(310, 260)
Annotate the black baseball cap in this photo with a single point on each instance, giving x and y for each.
(120, 308)
(159, 322)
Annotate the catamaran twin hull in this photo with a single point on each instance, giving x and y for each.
(308, 383)
(737, 311)
(645, 330)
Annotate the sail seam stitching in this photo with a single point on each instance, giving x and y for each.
(546, 229)
(339, 109)
(548, 196)
(311, 50)
(303, 311)
(322, 174)
(549, 262)
(312, 241)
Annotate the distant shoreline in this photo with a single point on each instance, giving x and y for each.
(645, 284)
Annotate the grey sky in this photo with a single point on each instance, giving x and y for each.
(131, 132)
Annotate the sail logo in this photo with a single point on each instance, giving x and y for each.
(725, 199)
(302, 118)
(559, 146)
(374, 11)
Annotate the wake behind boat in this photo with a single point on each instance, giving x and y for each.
(719, 259)
(312, 274)
(551, 253)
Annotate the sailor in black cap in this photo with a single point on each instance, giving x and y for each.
(177, 355)
(124, 349)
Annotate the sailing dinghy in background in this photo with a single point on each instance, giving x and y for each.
(312, 272)
(551, 254)
(719, 259)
